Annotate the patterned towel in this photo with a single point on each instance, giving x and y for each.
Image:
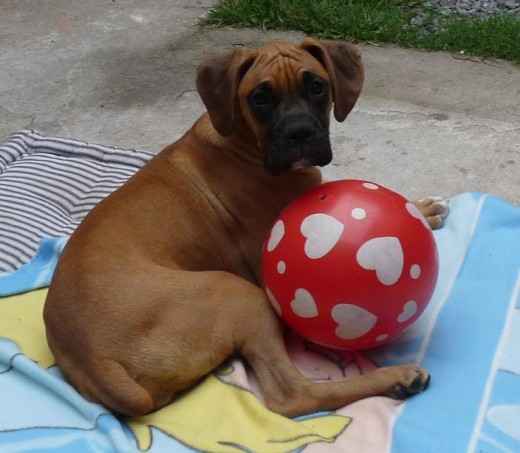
(468, 339)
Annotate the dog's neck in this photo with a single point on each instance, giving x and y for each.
(240, 139)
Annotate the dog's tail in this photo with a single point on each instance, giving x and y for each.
(108, 382)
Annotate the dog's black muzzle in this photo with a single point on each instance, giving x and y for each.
(298, 141)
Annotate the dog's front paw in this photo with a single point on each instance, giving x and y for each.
(408, 380)
(434, 209)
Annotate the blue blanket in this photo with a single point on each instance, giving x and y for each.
(468, 338)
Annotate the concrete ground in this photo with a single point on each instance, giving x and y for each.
(120, 73)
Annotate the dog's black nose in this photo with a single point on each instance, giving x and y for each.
(298, 131)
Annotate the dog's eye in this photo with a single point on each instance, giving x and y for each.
(260, 99)
(317, 88)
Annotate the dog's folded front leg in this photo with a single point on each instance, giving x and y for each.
(288, 392)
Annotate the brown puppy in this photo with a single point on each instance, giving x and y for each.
(161, 282)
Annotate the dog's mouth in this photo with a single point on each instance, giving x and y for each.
(297, 160)
(302, 164)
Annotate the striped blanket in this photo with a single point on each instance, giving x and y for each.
(468, 338)
(48, 185)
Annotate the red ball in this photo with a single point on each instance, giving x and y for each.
(350, 265)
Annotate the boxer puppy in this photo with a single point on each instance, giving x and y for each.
(162, 282)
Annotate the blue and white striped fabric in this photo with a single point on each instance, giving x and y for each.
(56, 181)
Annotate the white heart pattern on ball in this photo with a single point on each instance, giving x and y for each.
(277, 234)
(322, 232)
(409, 310)
(303, 304)
(353, 321)
(385, 256)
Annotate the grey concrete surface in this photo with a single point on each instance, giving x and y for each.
(102, 71)
(121, 72)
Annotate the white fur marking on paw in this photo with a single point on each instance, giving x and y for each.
(303, 304)
(414, 212)
(353, 321)
(445, 204)
(358, 213)
(281, 267)
(409, 310)
(273, 301)
(277, 234)
(383, 255)
(322, 232)
(415, 271)
(371, 186)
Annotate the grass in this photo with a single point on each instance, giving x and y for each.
(378, 21)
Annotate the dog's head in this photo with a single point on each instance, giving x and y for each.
(281, 95)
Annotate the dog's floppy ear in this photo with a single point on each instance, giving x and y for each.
(343, 63)
(217, 81)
